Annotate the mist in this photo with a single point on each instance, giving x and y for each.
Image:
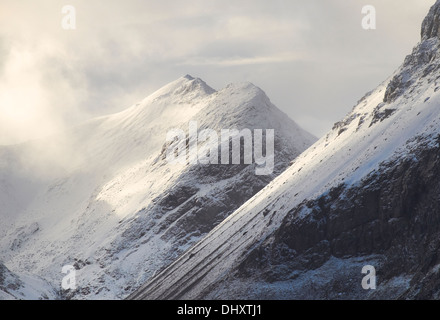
(313, 60)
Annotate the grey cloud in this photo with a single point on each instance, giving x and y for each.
(311, 57)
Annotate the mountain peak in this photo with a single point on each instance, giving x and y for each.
(188, 77)
(186, 86)
(191, 85)
(431, 24)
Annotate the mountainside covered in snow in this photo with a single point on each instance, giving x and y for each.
(26, 287)
(367, 193)
(103, 197)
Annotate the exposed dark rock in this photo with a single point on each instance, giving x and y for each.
(431, 23)
(380, 113)
(393, 214)
(423, 61)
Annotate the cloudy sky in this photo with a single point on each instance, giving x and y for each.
(312, 58)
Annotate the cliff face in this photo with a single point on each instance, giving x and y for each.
(422, 63)
(392, 218)
(431, 24)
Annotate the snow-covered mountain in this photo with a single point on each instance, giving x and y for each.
(367, 193)
(103, 197)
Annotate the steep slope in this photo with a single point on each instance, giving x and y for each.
(25, 287)
(365, 194)
(113, 206)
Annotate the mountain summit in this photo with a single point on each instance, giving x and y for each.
(185, 87)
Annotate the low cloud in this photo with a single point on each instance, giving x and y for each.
(38, 93)
(312, 58)
(230, 62)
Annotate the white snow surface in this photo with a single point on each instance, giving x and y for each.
(23, 286)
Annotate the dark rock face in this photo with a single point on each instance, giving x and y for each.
(381, 114)
(431, 24)
(393, 214)
(422, 62)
